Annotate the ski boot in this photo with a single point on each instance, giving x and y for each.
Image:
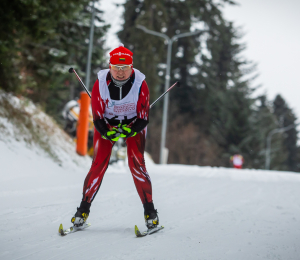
(151, 217)
(82, 214)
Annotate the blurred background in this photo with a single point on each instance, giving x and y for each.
(238, 74)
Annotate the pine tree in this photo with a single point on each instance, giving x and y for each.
(286, 117)
(264, 121)
(27, 21)
(44, 39)
(228, 102)
(68, 49)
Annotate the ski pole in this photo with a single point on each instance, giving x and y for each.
(71, 70)
(178, 84)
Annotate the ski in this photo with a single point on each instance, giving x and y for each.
(64, 232)
(147, 232)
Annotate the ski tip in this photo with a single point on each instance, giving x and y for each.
(60, 229)
(137, 231)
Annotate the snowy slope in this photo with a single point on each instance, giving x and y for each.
(208, 213)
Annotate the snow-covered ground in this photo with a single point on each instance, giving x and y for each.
(208, 213)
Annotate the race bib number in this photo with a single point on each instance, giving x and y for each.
(124, 108)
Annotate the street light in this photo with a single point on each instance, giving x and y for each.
(167, 79)
(268, 150)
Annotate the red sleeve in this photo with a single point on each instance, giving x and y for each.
(98, 105)
(143, 102)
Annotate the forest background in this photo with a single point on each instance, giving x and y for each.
(211, 117)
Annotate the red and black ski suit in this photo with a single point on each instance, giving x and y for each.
(135, 145)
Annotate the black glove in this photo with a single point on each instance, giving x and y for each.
(102, 128)
(136, 127)
(125, 131)
(112, 135)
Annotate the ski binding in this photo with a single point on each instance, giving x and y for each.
(147, 232)
(64, 232)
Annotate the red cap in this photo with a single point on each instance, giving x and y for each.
(121, 55)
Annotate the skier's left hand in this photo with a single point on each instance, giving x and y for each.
(111, 135)
(126, 132)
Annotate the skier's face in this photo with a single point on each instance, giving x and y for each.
(120, 72)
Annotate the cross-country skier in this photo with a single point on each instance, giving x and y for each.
(120, 105)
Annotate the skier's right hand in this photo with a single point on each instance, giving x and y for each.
(125, 131)
(111, 135)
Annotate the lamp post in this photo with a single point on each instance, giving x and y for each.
(167, 79)
(88, 65)
(268, 149)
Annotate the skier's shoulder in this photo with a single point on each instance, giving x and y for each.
(144, 90)
(136, 74)
(95, 90)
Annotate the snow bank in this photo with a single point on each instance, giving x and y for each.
(23, 124)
